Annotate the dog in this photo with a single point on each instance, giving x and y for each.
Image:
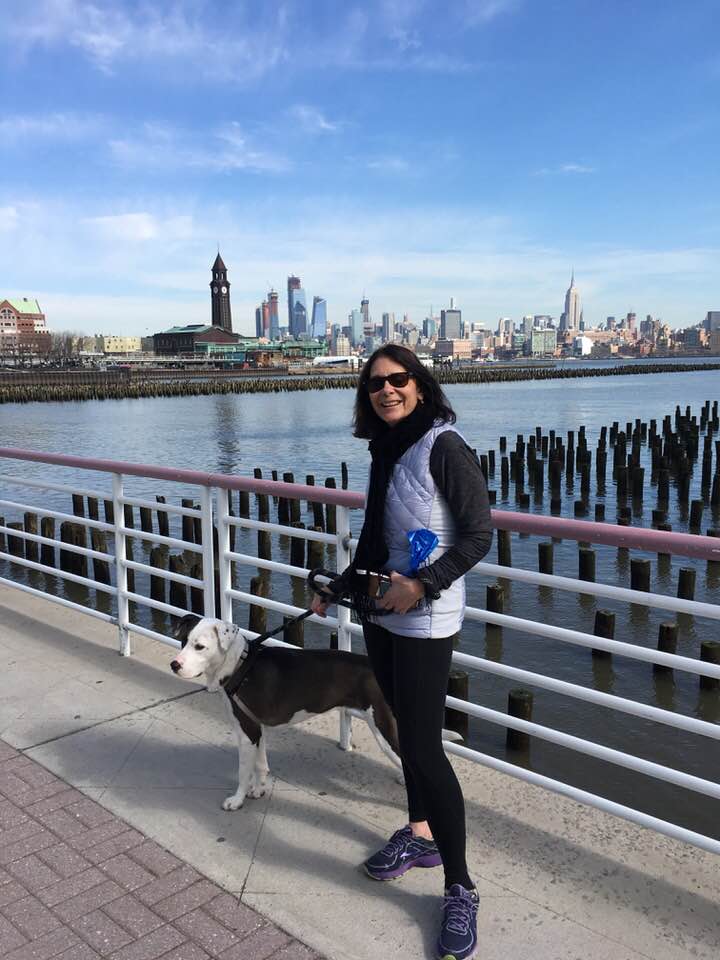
(283, 686)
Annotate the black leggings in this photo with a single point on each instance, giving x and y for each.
(413, 673)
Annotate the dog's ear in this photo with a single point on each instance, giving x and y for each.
(225, 633)
(183, 627)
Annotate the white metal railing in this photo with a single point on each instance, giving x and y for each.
(221, 563)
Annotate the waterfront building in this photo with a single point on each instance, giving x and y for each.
(365, 311)
(221, 315)
(340, 345)
(293, 283)
(451, 327)
(113, 344)
(528, 322)
(274, 315)
(319, 318)
(258, 321)
(185, 340)
(458, 349)
(570, 319)
(23, 327)
(541, 343)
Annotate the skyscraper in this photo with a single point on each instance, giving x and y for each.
(387, 333)
(451, 323)
(570, 319)
(357, 332)
(273, 306)
(293, 283)
(220, 296)
(297, 308)
(319, 318)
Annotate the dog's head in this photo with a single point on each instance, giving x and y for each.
(210, 649)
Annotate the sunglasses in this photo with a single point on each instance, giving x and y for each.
(375, 384)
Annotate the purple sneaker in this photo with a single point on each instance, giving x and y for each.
(458, 934)
(400, 853)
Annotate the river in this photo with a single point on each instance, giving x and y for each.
(310, 433)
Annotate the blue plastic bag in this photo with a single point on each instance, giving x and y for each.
(422, 543)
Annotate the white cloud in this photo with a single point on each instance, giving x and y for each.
(183, 32)
(564, 168)
(312, 120)
(159, 147)
(51, 126)
(155, 258)
(478, 12)
(388, 164)
(9, 218)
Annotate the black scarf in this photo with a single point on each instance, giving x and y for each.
(385, 450)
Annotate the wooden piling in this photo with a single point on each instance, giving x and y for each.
(604, 627)
(520, 705)
(640, 575)
(158, 560)
(178, 591)
(297, 546)
(686, 583)
(710, 653)
(294, 631)
(30, 525)
(667, 643)
(545, 557)
(163, 519)
(257, 616)
(101, 568)
(188, 529)
(458, 686)
(146, 524)
(315, 551)
(47, 552)
(504, 545)
(330, 508)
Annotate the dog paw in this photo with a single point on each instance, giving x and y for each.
(256, 791)
(233, 803)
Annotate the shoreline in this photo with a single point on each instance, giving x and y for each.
(106, 386)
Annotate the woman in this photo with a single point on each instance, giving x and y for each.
(423, 477)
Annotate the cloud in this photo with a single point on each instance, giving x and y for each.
(140, 227)
(479, 12)
(312, 120)
(184, 32)
(9, 218)
(389, 164)
(159, 147)
(564, 168)
(51, 126)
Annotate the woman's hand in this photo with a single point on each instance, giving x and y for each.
(403, 594)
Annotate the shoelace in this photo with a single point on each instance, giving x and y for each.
(396, 842)
(458, 913)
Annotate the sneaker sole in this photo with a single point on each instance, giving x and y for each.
(433, 860)
(451, 956)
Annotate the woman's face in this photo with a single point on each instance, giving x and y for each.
(393, 404)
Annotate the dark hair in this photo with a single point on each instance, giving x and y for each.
(367, 424)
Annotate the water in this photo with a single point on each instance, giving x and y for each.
(309, 433)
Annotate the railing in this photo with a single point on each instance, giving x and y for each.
(219, 584)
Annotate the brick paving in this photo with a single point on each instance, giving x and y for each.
(78, 883)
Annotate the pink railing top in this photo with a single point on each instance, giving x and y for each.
(585, 531)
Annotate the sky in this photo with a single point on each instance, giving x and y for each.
(408, 150)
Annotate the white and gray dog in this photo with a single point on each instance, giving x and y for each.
(283, 686)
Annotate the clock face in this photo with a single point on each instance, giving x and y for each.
(224, 289)
(214, 289)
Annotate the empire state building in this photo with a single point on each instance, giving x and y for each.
(570, 319)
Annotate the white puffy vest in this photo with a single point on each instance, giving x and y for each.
(413, 502)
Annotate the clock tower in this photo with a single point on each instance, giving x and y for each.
(220, 296)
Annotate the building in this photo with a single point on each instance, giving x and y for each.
(274, 311)
(186, 340)
(113, 344)
(570, 319)
(365, 310)
(319, 318)
(582, 346)
(712, 321)
(293, 283)
(541, 343)
(23, 328)
(457, 349)
(357, 328)
(220, 296)
(451, 327)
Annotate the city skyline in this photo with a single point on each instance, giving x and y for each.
(416, 151)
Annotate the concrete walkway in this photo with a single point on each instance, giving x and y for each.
(556, 880)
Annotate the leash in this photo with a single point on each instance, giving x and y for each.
(236, 678)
